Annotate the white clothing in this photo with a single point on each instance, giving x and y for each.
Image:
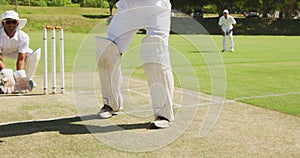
(10, 14)
(230, 35)
(157, 67)
(152, 15)
(19, 43)
(10, 47)
(155, 17)
(227, 25)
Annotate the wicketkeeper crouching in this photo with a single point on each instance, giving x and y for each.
(14, 44)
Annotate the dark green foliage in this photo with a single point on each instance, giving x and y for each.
(51, 3)
(256, 26)
(287, 8)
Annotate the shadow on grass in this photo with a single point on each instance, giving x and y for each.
(203, 51)
(96, 16)
(63, 126)
(23, 95)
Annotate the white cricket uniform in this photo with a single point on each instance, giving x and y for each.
(155, 17)
(10, 47)
(226, 24)
(19, 43)
(132, 15)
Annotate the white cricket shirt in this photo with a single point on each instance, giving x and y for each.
(227, 23)
(18, 43)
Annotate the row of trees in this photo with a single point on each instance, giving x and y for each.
(287, 7)
(45, 3)
(48, 3)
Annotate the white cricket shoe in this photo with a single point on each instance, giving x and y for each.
(223, 50)
(160, 122)
(106, 112)
(232, 50)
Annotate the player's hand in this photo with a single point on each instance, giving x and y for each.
(22, 82)
(223, 33)
(8, 81)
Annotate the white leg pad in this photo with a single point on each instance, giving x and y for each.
(32, 62)
(156, 64)
(108, 58)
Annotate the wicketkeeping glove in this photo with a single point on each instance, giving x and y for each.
(8, 81)
(22, 82)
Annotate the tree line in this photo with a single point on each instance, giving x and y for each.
(49, 3)
(287, 8)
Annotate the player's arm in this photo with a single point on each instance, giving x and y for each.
(23, 48)
(233, 25)
(21, 61)
(7, 78)
(220, 27)
(2, 65)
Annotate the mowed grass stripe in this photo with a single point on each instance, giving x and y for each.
(256, 70)
(260, 66)
(265, 65)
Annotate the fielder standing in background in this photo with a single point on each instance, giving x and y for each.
(14, 44)
(155, 17)
(227, 24)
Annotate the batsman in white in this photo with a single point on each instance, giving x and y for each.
(14, 43)
(227, 24)
(132, 15)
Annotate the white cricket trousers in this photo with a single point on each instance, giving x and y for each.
(230, 35)
(155, 17)
(132, 15)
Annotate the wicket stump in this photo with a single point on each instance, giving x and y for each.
(53, 58)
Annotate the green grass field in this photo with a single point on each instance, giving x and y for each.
(264, 71)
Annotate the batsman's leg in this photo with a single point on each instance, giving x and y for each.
(108, 61)
(157, 67)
